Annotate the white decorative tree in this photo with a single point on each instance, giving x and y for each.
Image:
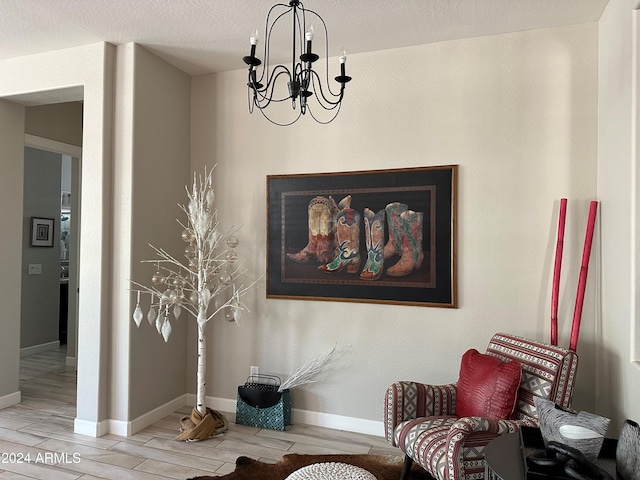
(205, 284)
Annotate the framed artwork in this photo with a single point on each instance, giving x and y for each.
(379, 236)
(41, 232)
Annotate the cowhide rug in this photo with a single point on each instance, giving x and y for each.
(384, 467)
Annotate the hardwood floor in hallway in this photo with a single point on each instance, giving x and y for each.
(40, 429)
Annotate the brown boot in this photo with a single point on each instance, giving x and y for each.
(321, 244)
(347, 232)
(412, 254)
(394, 245)
(374, 233)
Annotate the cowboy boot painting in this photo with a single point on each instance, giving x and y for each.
(347, 233)
(412, 254)
(394, 244)
(321, 244)
(374, 240)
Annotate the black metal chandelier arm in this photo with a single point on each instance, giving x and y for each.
(325, 122)
(326, 52)
(277, 123)
(323, 100)
(264, 96)
(268, 29)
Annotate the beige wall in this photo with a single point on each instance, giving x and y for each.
(39, 313)
(618, 378)
(11, 193)
(517, 112)
(151, 168)
(61, 122)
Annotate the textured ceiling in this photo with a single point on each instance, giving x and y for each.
(204, 36)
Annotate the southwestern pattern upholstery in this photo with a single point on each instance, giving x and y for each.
(421, 421)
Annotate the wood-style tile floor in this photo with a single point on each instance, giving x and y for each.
(37, 439)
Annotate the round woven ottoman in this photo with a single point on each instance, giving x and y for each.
(331, 471)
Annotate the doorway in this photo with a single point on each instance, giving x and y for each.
(51, 189)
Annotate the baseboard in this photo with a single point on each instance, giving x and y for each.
(90, 428)
(43, 347)
(71, 362)
(156, 414)
(338, 422)
(128, 428)
(317, 419)
(10, 399)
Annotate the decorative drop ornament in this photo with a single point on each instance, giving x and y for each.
(137, 313)
(151, 315)
(166, 329)
(159, 322)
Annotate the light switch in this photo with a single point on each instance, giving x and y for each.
(35, 268)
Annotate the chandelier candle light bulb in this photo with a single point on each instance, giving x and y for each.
(343, 60)
(309, 37)
(254, 42)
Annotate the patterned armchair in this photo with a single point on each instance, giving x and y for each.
(421, 419)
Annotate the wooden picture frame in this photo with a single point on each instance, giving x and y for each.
(301, 207)
(42, 230)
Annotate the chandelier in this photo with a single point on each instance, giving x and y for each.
(304, 86)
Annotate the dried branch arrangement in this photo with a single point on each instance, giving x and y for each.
(308, 372)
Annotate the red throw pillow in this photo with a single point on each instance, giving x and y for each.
(487, 387)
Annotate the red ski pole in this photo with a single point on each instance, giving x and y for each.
(582, 281)
(556, 271)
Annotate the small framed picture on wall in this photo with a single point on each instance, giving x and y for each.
(41, 232)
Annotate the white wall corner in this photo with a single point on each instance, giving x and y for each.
(11, 399)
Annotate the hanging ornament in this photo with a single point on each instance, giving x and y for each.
(177, 310)
(166, 296)
(225, 278)
(205, 296)
(137, 313)
(228, 314)
(232, 241)
(159, 322)
(211, 197)
(231, 256)
(166, 329)
(173, 296)
(151, 315)
(157, 278)
(193, 298)
(188, 236)
(190, 251)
